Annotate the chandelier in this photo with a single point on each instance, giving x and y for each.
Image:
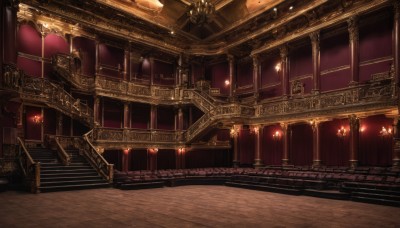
(200, 12)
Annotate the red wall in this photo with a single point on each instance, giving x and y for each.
(33, 131)
(219, 73)
(54, 44)
(111, 57)
(140, 116)
(208, 158)
(167, 70)
(29, 40)
(165, 118)
(301, 64)
(270, 79)
(272, 149)
(301, 145)
(113, 114)
(334, 150)
(246, 147)
(244, 72)
(166, 159)
(138, 159)
(87, 49)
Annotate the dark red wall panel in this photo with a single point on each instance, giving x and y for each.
(220, 73)
(335, 51)
(139, 159)
(301, 61)
(54, 44)
(268, 73)
(244, 73)
(208, 158)
(29, 40)
(272, 149)
(165, 118)
(246, 147)
(111, 56)
(49, 121)
(366, 71)
(30, 67)
(140, 116)
(33, 131)
(87, 50)
(166, 159)
(335, 80)
(301, 145)
(334, 150)
(113, 114)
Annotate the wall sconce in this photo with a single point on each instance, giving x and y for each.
(227, 82)
(363, 128)
(37, 119)
(385, 132)
(255, 129)
(278, 67)
(234, 131)
(341, 133)
(181, 150)
(153, 150)
(277, 135)
(126, 151)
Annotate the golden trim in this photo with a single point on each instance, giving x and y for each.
(377, 60)
(335, 69)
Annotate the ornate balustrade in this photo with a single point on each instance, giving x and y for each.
(65, 66)
(30, 168)
(372, 95)
(58, 143)
(98, 161)
(41, 90)
(133, 135)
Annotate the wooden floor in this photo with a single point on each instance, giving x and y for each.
(187, 206)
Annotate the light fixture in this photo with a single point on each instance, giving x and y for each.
(385, 132)
(291, 8)
(235, 130)
(255, 129)
(363, 128)
(277, 135)
(181, 150)
(278, 67)
(172, 32)
(153, 150)
(227, 83)
(341, 133)
(37, 119)
(275, 9)
(201, 11)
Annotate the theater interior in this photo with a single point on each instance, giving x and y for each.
(292, 98)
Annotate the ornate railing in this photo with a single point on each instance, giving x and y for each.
(42, 90)
(30, 168)
(375, 93)
(133, 135)
(54, 143)
(100, 164)
(66, 67)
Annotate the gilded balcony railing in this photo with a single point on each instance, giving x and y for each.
(41, 90)
(30, 168)
(65, 66)
(133, 135)
(97, 161)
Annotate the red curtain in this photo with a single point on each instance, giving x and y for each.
(246, 147)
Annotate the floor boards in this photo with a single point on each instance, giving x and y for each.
(187, 206)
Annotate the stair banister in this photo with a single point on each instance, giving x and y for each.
(62, 154)
(102, 166)
(30, 168)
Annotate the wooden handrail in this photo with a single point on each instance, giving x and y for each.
(98, 161)
(30, 168)
(63, 155)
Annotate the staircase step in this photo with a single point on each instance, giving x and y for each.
(376, 201)
(72, 182)
(73, 178)
(67, 171)
(67, 174)
(73, 187)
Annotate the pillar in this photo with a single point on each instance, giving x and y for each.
(2, 33)
(127, 72)
(352, 23)
(96, 111)
(258, 132)
(316, 143)
(314, 36)
(152, 158)
(125, 160)
(232, 83)
(151, 71)
(153, 117)
(9, 10)
(126, 115)
(285, 139)
(396, 143)
(256, 76)
(284, 52)
(354, 139)
(59, 123)
(97, 60)
(235, 135)
(396, 49)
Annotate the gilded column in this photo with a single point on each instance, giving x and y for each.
(96, 111)
(232, 83)
(97, 60)
(10, 30)
(258, 132)
(314, 36)
(352, 23)
(396, 143)
(126, 115)
(127, 76)
(125, 160)
(151, 71)
(153, 117)
(285, 138)
(354, 140)
(284, 52)
(235, 135)
(256, 76)
(396, 32)
(316, 143)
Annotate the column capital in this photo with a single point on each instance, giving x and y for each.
(255, 60)
(230, 58)
(354, 122)
(396, 8)
(352, 24)
(284, 126)
(284, 52)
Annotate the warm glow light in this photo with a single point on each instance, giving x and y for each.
(278, 67)
(37, 119)
(291, 8)
(275, 9)
(181, 150)
(341, 132)
(227, 83)
(276, 135)
(362, 129)
(385, 132)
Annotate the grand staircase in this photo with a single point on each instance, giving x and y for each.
(54, 176)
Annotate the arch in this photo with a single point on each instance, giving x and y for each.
(29, 38)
